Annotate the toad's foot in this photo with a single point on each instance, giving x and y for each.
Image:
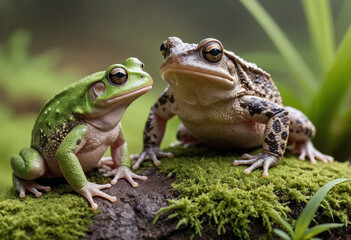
(32, 187)
(306, 149)
(91, 190)
(260, 160)
(106, 164)
(150, 153)
(124, 172)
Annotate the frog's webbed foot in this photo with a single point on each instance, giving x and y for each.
(91, 190)
(106, 164)
(33, 187)
(260, 160)
(306, 149)
(126, 173)
(150, 153)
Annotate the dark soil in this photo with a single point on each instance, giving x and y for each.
(131, 217)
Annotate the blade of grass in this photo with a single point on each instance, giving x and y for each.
(285, 224)
(320, 228)
(341, 140)
(343, 18)
(295, 62)
(283, 235)
(326, 104)
(310, 210)
(320, 25)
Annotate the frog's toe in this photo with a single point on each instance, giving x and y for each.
(105, 163)
(91, 190)
(126, 173)
(256, 164)
(307, 150)
(260, 160)
(247, 156)
(33, 187)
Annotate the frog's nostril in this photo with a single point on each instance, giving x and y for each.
(142, 76)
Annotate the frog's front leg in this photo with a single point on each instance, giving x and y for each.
(301, 130)
(154, 130)
(275, 134)
(28, 166)
(120, 167)
(72, 169)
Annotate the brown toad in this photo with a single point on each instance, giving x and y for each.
(224, 101)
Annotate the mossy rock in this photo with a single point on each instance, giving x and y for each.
(59, 214)
(212, 194)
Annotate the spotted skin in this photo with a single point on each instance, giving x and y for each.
(225, 102)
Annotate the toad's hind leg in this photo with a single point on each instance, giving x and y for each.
(301, 130)
(27, 166)
(185, 138)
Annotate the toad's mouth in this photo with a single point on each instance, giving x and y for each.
(130, 95)
(168, 72)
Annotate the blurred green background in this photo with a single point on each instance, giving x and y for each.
(45, 45)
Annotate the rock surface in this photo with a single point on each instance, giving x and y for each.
(131, 216)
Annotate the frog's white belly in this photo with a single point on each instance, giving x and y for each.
(237, 135)
(97, 142)
(222, 124)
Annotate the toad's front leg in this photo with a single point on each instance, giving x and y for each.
(275, 135)
(118, 166)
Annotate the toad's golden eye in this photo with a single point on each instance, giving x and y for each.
(163, 50)
(118, 76)
(212, 52)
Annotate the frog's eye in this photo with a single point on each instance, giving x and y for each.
(163, 50)
(118, 76)
(212, 52)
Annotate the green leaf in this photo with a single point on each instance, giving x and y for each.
(318, 14)
(283, 235)
(309, 211)
(320, 228)
(295, 62)
(285, 224)
(326, 104)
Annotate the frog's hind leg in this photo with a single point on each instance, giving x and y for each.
(301, 130)
(27, 166)
(185, 138)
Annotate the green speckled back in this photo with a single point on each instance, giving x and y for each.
(61, 113)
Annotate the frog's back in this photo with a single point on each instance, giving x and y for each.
(255, 81)
(59, 116)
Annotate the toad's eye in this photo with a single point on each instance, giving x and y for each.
(163, 50)
(118, 76)
(212, 52)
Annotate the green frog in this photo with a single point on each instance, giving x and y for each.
(75, 128)
(224, 101)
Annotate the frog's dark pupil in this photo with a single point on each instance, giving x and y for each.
(120, 75)
(162, 47)
(215, 52)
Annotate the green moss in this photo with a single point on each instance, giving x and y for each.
(59, 214)
(213, 191)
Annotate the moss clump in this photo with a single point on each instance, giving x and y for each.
(213, 191)
(59, 214)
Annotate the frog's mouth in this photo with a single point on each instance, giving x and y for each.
(130, 95)
(168, 73)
